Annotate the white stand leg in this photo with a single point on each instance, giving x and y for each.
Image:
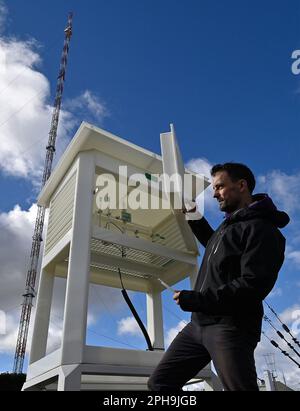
(76, 305)
(155, 320)
(42, 316)
(69, 378)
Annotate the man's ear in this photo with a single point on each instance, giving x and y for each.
(243, 185)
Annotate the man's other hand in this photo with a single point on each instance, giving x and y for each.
(176, 297)
(190, 210)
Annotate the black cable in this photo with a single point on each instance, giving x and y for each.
(284, 326)
(115, 225)
(137, 318)
(274, 343)
(126, 296)
(280, 335)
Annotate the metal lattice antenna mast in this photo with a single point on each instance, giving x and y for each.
(39, 223)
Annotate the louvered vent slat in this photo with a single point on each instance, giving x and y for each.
(61, 214)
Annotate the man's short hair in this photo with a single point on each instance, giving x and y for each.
(236, 171)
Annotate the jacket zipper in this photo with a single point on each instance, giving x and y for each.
(214, 249)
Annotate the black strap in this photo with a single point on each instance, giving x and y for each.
(138, 320)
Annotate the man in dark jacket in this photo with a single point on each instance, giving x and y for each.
(239, 268)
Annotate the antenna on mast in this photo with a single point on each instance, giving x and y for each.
(39, 223)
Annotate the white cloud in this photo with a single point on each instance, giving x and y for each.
(287, 316)
(15, 241)
(25, 113)
(56, 318)
(294, 256)
(88, 106)
(16, 236)
(17, 228)
(283, 188)
(200, 166)
(129, 326)
(172, 332)
(8, 340)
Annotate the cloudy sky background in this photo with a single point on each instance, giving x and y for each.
(221, 74)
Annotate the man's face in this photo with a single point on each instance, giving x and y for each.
(228, 193)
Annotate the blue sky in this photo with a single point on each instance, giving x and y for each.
(221, 71)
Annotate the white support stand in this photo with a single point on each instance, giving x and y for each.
(75, 315)
(69, 378)
(155, 320)
(42, 316)
(82, 249)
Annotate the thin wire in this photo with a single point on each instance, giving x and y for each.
(21, 108)
(273, 311)
(113, 339)
(34, 96)
(113, 317)
(274, 343)
(284, 326)
(115, 225)
(48, 49)
(175, 315)
(104, 304)
(6, 225)
(140, 301)
(280, 335)
(101, 335)
(31, 145)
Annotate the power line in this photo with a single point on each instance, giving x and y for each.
(48, 49)
(174, 315)
(280, 335)
(284, 326)
(21, 108)
(100, 335)
(274, 343)
(15, 78)
(113, 339)
(113, 317)
(7, 224)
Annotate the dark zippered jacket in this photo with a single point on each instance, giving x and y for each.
(240, 265)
